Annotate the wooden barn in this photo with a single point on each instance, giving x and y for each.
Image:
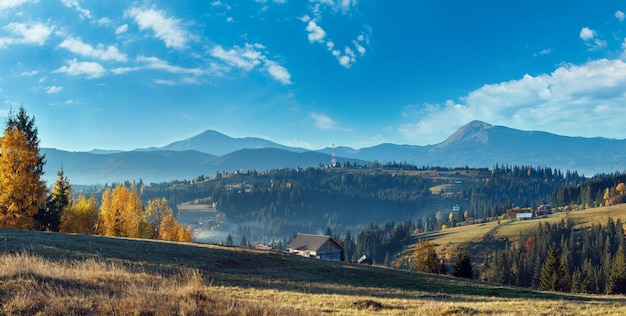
(316, 246)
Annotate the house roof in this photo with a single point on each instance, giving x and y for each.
(310, 242)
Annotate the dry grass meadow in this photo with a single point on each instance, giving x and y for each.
(449, 240)
(60, 274)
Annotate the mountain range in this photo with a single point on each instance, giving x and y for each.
(476, 144)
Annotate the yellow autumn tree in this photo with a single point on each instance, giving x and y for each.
(80, 216)
(185, 233)
(171, 230)
(168, 229)
(22, 192)
(121, 214)
(154, 213)
(425, 257)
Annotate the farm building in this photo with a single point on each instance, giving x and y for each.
(543, 210)
(523, 216)
(316, 246)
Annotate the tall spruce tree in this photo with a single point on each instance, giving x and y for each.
(22, 191)
(552, 278)
(49, 217)
(463, 266)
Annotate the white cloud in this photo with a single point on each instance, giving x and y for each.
(546, 51)
(278, 72)
(76, 46)
(74, 4)
(316, 33)
(590, 37)
(90, 69)
(121, 29)
(620, 15)
(338, 5)
(184, 81)
(322, 121)
(249, 58)
(574, 100)
(105, 21)
(36, 33)
(158, 64)
(123, 70)
(7, 4)
(53, 89)
(29, 73)
(587, 34)
(167, 29)
(246, 58)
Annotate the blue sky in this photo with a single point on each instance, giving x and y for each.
(132, 74)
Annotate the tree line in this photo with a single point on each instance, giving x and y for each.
(559, 258)
(25, 202)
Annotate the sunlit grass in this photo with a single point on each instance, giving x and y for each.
(53, 274)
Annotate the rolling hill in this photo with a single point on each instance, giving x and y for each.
(476, 144)
(55, 273)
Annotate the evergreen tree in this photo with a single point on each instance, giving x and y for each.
(229, 240)
(49, 217)
(554, 274)
(463, 266)
(243, 242)
(616, 282)
(22, 192)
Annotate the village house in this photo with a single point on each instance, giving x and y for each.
(316, 246)
(524, 216)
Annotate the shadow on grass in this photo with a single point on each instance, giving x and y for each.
(267, 270)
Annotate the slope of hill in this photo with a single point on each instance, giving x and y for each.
(481, 236)
(53, 273)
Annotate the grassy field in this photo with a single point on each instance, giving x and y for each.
(484, 238)
(54, 274)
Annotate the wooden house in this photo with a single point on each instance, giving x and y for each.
(316, 246)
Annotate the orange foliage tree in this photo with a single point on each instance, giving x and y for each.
(171, 230)
(22, 192)
(121, 214)
(154, 213)
(80, 216)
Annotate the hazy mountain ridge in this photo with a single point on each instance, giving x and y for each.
(218, 144)
(476, 144)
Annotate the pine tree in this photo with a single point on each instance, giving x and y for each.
(549, 271)
(229, 240)
(616, 282)
(463, 266)
(49, 218)
(22, 192)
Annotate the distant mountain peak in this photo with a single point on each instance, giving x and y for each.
(474, 131)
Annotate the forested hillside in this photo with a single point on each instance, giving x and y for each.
(349, 197)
